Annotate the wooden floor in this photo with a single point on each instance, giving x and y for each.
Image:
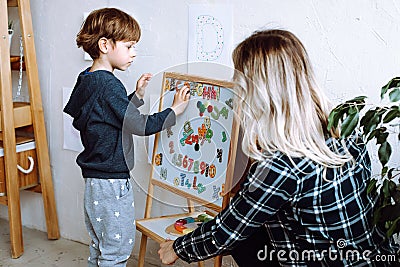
(39, 251)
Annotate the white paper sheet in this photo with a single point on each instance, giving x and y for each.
(210, 33)
(72, 139)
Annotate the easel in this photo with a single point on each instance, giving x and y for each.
(153, 227)
(22, 124)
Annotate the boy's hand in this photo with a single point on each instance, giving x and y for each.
(141, 84)
(167, 253)
(181, 100)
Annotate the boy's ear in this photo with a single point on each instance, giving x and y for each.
(103, 45)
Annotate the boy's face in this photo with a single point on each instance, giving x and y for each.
(121, 55)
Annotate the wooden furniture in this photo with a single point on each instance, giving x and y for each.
(23, 134)
(176, 151)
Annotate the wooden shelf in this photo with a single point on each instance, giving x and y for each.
(23, 121)
(15, 62)
(12, 3)
(22, 115)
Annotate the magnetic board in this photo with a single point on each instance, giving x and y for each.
(195, 157)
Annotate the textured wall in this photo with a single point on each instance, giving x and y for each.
(354, 46)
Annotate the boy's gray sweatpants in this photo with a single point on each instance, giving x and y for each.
(110, 220)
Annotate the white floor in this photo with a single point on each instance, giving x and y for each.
(39, 251)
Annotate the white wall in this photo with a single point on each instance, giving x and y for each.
(354, 46)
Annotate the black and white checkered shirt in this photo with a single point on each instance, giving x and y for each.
(306, 216)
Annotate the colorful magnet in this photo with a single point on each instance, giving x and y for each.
(207, 122)
(202, 131)
(171, 147)
(185, 162)
(187, 184)
(201, 108)
(209, 134)
(215, 114)
(158, 159)
(224, 112)
(190, 164)
(221, 194)
(201, 188)
(196, 147)
(169, 132)
(212, 171)
(229, 103)
(183, 176)
(195, 183)
(196, 166)
(177, 159)
(216, 192)
(167, 86)
(224, 138)
(219, 154)
(163, 173)
(187, 128)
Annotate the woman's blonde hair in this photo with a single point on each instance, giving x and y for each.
(282, 108)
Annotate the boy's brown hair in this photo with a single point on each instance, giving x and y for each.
(110, 23)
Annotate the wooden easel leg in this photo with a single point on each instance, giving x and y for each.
(38, 120)
(8, 134)
(50, 211)
(218, 261)
(142, 250)
(14, 215)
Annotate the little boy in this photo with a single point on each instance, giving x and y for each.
(106, 118)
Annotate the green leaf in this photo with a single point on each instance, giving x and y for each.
(395, 225)
(377, 215)
(394, 95)
(385, 189)
(357, 99)
(372, 123)
(390, 173)
(331, 119)
(396, 196)
(349, 124)
(372, 186)
(371, 135)
(336, 115)
(384, 153)
(381, 136)
(392, 187)
(384, 171)
(395, 82)
(392, 114)
(367, 117)
(353, 110)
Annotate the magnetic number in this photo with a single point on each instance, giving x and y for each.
(185, 162)
(212, 171)
(177, 159)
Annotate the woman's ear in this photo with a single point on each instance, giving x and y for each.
(103, 45)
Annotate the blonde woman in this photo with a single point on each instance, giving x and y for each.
(305, 201)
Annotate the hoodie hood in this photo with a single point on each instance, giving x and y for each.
(84, 95)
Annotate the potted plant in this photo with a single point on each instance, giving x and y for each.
(379, 124)
(10, 31)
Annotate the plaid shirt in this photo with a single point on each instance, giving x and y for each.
(306, 216)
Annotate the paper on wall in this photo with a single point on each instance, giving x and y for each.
(210, 33)
(72, 139)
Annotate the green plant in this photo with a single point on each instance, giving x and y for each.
(377, 123)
